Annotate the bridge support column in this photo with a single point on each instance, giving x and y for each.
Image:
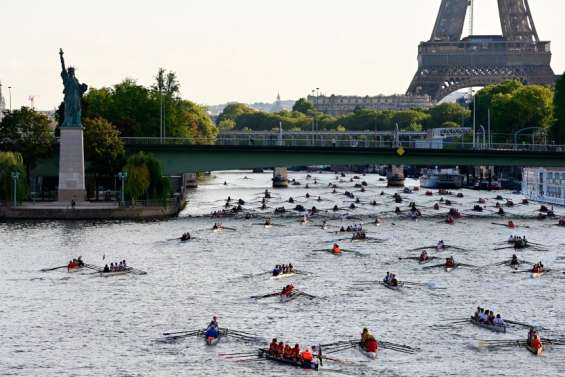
(395, 176)
(280, 178)
(190, 180)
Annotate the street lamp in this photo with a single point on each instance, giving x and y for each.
(474, 117)
(123, 176)
(526, 129)
(484, 136)
(10, 96)
(15, 177)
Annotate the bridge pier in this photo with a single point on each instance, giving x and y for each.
(190, 180)
(280, 178)
(395, 176)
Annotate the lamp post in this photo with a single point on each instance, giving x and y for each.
(525, 129)
(10, 96)
(15, 177)
(474, 117)
(484, 136)
(123, 176)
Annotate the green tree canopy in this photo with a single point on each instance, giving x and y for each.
(136, 110)
(514, 106)
(234, 111)
(27, 132)
(447, 112)
(558, 126)
(11, 162)
(145, 178)
(303, 106)
(103, 147)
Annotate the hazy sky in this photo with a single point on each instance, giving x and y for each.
(226, 50)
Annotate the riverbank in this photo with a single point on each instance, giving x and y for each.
(90, 211)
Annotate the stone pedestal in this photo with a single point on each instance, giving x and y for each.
(280, 178)
(71, 165)
(190, 180)
(395, 177)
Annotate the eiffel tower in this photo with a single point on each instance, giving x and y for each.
(447, 62)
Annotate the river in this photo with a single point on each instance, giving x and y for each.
(80, 324)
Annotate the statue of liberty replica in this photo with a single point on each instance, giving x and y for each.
(71, 155)
(73, 93)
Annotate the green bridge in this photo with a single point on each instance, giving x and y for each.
(191, 158)
(185, 158)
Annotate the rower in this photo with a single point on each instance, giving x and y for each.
(336, 249)
(394, 280)
(290, 268)
(212, 332)
(185, 237)
(280, 349)
(268, 222)
(477, 313)
(286, 351)
(424, 256)
(482, 315)
(387, 278)
(80, 262)
(106, 268)
(534, 339)
(498, 321)
(440, 245)
(295, 353)
(449, 262)
(368, 341)
(277, 270)
(515, 260)
(511, 224)
(491, 317)
(214, 322)
(307, 356)
(273, 347)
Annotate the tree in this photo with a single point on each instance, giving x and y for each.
(558, 126)
(27, 132)
(514, 106)
(447, 112)
(103, 147)
(303, 106)
(234, 110)
(145, 178)
(11, 162)
(198, 124)
(226, 124)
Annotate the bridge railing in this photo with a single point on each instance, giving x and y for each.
(347, 141)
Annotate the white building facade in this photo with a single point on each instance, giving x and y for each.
(546, 185)
(339, 105)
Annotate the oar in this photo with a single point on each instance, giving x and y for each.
(238, 353)
(181, 332)
(466, 265)
(415, 284)
(306, 295)
(228, 228)
(408, 258)
(266, 296)
(52, 269)
(435, 266)
(523, 324)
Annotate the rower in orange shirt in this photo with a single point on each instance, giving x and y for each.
(295, 354)
(307, 356)
(336, 249)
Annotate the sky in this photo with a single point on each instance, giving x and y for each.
(228, 50)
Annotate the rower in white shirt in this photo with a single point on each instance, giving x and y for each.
(498, 321)
(483, 317)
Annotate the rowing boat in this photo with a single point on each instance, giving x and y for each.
(290, 297)
(74, 269)
(493, 328)
(280, 276)
(535, 351)
(537, 275)
(424, 261)
(370, 355)
(396, 287)
(210, 341)
(449, 269)
(297, 363)
(114, 273)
